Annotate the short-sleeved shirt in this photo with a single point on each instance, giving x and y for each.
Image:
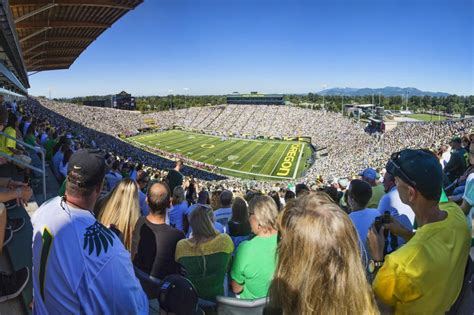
(391, 202)
(469, 197)
(154, 248)
(362, 220)
(177, 213)
(425, 275)
(80, 266)
(254, 265)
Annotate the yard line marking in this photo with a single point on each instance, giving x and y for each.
(298, 163)
(278, 162)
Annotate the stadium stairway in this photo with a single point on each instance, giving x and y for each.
(17, 253)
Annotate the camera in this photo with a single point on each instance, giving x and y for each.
(381, 220)
(389, 238)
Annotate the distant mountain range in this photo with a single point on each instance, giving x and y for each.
(386, 91)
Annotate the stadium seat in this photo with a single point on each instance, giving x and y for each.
(150, 285)
(233, 306)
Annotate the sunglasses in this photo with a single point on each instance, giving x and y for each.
(395, 169)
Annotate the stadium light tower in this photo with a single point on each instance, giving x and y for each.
(342, 104)
(185, 91)
(323, 87)
(171, 98)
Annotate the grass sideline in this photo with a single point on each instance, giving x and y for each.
(248, 159)
(426, 117)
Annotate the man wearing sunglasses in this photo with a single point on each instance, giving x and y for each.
(425, 275)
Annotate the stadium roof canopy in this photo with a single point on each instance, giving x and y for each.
(13, 75)
(53, 33)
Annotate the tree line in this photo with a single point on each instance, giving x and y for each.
(452, 104)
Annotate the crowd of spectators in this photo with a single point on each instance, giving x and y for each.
(395, 238)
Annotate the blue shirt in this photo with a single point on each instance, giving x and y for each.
(57, 158)
(363, 220)
(177, 213)
(144, 210)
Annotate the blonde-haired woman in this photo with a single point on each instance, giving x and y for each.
(255, 260)
(206, 255)
(319, 269)
(121, 209)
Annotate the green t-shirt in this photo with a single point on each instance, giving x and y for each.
(377, 194)
(254, 265)
(30, 139)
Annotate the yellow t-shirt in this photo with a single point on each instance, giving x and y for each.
(377, 194)
(425, 275)
(6, 143)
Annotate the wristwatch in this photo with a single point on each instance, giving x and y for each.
(374, 265)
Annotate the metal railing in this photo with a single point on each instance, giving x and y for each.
(39, 150)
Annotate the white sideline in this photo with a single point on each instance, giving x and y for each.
(298, 163)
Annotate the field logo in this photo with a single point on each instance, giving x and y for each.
(207, 146)
(288, 161)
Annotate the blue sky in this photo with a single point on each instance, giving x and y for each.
(275, 46)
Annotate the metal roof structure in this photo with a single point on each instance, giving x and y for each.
(13, 75)
(53, 33)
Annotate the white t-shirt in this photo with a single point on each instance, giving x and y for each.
(391, 202)
(79, 266)
(469, 197)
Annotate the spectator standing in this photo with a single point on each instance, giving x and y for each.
(154, 242)
(224, 213)
(174, 177)
(88, 268)
(426, 274)
(369, 175)
(179, 209)
(142, 180)
(458, 161)
(468, 197)
(358, 196)
(239, 225)
(391, 200)
(113, 177)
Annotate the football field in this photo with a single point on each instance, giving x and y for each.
(251, 159)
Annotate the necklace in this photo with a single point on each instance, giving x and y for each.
(64, 205)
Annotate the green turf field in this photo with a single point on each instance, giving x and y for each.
(427, 117)
(259, 159)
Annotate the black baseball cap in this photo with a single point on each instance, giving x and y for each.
(178, 296)
(86, 167)
(419, 169)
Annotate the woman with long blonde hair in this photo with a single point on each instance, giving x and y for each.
(206, 255)
(121, 209)
(319, 270)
